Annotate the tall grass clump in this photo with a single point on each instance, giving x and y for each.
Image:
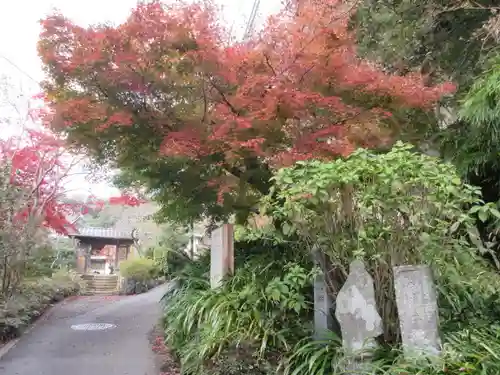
(257, 314)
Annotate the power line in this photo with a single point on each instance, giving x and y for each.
(251, 20)
(18, 68)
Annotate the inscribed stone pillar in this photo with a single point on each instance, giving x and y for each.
(323, 320)
(221, 254)
(356, 311)
(418, 310)
(323, 302)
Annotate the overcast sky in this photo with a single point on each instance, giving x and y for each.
(19, 29)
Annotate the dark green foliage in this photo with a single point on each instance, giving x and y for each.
(174, 237)
(46, 260)
(40, 264)
(443, 38)
(262, 311)
(174, 262)
(169, 254)
(473, 349)
(177, 264)
(255, 251)
(473, 146)
(470, 351)
(239, 329)
(469, 302)
(195, 273)
(477, 141)
(178, 185)
(138, 269)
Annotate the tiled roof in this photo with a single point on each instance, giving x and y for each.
(102, 233)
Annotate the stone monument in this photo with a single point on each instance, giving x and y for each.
(356, 311)
(323, 320)
(323, 302)
(418, 310)
(221, 254)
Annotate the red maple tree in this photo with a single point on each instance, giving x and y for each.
(38, 164)
(34, 165)
(295, 91)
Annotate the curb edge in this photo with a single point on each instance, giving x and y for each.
(4, 350)
(7, 347)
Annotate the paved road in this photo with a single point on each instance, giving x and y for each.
(54, 348)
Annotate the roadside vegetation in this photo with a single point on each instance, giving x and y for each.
(260, 320)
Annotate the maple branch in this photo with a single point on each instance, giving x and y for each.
(135, 112)
(205, 103)
(48, 198)
(224, 98)
(269, 64)
(465, 6)
(39, 178)
(301, 79)
(252, 165)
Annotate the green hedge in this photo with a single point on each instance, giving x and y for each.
(32, 300)
(138, 269)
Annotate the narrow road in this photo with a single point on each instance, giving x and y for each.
(53, 347)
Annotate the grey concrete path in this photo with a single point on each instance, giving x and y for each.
(54, 348)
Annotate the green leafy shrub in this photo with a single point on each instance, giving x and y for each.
(40, 264)
(401, 207)
(173, 262)
(246, 325)
(195, 273)
(397, 208)
(32, 300)
(138, 269)
(169, 254)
